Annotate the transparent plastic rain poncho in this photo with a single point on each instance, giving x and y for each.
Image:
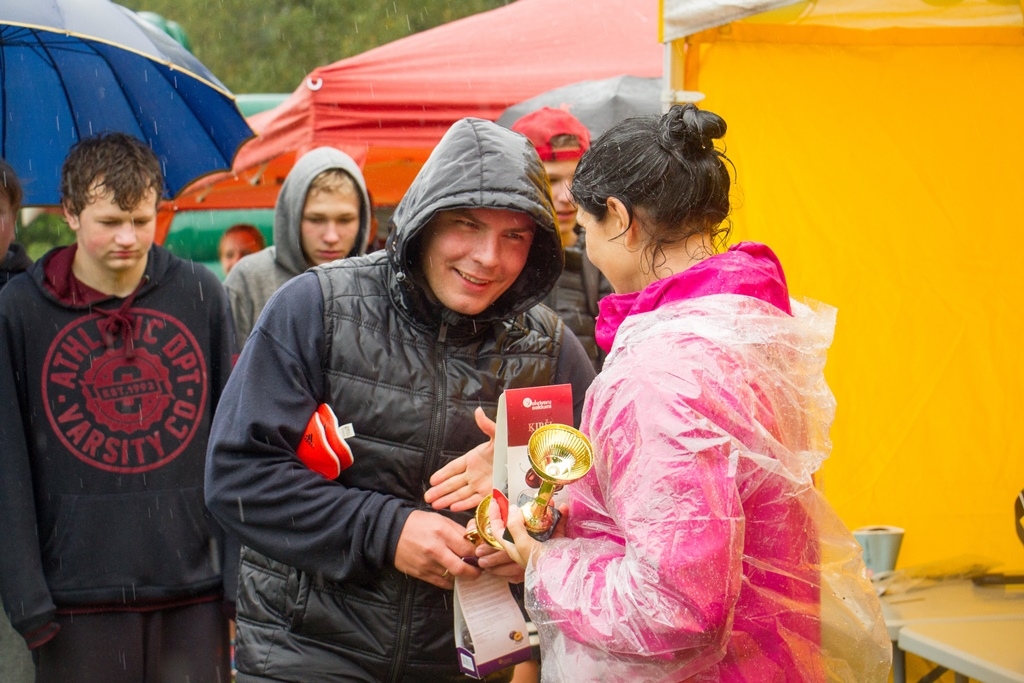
(698, 547)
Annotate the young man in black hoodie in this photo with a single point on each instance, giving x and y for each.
(350, 579)
(113, 354)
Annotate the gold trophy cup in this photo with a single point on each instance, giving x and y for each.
(483, 523)
(558, 455)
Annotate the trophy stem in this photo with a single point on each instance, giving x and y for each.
(540, 517)
(543, 498)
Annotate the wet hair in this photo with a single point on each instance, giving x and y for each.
(667, 173)
(10, 185)
(246, 229)
(333, 180)
(109, 162)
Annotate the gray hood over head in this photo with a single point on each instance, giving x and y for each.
(292, 199)
(477, 164)
(256, 277)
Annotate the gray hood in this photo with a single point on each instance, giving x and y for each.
(292, 199)
(477, 164)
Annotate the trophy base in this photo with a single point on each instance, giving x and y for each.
(539, 528)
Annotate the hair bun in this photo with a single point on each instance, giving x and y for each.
(690, 130)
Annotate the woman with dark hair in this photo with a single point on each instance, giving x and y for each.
(697, 548)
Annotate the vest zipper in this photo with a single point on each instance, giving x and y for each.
(430, 464)
(405, 600)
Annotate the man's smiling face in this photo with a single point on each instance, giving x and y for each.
(472, 256)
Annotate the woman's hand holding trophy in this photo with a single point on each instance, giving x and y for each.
(559, 455)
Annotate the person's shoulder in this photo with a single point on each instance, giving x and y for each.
(254, 265)
(192, 279)
(355, 275)
(541, 318)
(178, 269)
(297, 292)
(16, 291)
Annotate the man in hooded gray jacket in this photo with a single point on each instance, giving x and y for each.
(322, 214)
(351, 579)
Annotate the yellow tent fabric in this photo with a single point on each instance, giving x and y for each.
(879, 149)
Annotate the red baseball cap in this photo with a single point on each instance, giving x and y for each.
(546, 123)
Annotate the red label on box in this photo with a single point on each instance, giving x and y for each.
(529, 409)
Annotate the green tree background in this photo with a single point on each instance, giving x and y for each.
(269, 46)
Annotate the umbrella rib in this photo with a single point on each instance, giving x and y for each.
(128, 98)
(120, 86)
(124, 92)
(63, 88)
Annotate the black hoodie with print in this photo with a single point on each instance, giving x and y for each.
(106, 414)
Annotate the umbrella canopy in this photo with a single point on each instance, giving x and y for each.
(598, 104)
(73, 68)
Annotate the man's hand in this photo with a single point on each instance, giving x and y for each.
(431, 549)
(462, 484)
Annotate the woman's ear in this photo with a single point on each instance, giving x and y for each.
(629, 229)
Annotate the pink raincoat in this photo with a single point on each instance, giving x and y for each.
(698, 548)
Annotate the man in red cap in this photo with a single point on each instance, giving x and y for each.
(561, 139)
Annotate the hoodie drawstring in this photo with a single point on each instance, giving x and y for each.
(118, 321)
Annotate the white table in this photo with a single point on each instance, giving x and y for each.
(990, 650)
(946, 602)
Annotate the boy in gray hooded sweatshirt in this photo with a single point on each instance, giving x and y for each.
(322, 214)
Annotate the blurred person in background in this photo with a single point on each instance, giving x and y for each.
(15, 661)
(13, 259)
(560, 140)
(322, 214)
(241, 239)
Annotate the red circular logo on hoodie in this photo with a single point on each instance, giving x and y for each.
(126, 398)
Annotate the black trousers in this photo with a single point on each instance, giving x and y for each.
(173, 645)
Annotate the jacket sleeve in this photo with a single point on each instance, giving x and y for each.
(23, 589)
(223, 342)
(256, 486)
(664, 579)
(223, 353)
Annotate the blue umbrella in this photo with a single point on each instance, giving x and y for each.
(73, 68)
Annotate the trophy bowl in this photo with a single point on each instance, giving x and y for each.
(559, 455)
(483, 523)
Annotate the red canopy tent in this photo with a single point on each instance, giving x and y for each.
(389, 106)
